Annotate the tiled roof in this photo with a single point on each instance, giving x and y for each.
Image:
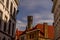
(18, 33)
(50, 30)
(41, 26)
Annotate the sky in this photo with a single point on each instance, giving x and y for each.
(39, 9)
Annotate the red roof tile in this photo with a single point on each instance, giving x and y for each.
(50, 30)
(41, 26)
(18, 33)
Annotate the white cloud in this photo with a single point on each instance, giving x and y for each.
(41, 18)
(42, 21)
(42, 15)
(20, 24)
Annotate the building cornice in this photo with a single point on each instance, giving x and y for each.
(54, 4)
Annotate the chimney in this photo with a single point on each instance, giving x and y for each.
(45, 29)
(30, 20)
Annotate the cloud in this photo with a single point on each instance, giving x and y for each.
(46, 21)
(40, 18)
(20, 25)
(39, 9)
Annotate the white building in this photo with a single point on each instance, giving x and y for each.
(8, 12)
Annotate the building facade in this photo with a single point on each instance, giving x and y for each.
(56, 12)
(39, 32)
(8, 12)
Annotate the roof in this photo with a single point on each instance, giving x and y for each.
(50, 30)
(18, 33)
(41, 26)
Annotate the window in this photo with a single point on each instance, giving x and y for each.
(31, 36)
(8, 39)
(4, 38)
(53, 23)
(9, 26)
(0, 24)
(59, 19)
(22, 38)
(6, 18)
(14, 13)
(12, 28)
(0, 38)
(1, 14)
(0, 18)
(7, 3)
(5, 24)
(11, 8)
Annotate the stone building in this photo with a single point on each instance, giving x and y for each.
(8, 12)
(56, 12)
(39, 32)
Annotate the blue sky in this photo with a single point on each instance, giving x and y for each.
(39, 9)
